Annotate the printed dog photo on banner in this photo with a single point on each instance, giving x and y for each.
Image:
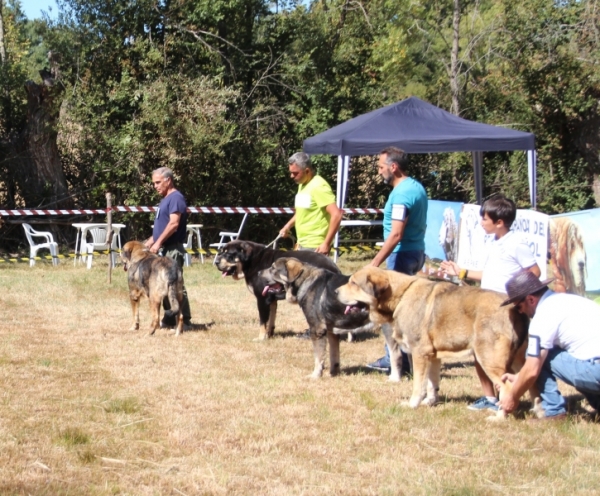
(573, 242)
(441, 238)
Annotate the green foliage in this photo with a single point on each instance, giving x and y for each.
(223, 91)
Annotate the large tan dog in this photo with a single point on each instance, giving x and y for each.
(157, 278)
(432, 320)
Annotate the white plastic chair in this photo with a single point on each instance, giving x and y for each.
(99, 243)
(50, 244)
(226, 237)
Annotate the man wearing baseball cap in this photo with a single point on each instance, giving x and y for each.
(564, 343)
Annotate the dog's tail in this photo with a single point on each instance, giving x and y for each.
(174, 290)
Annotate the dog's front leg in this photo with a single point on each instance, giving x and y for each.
(319, 341)
(433, 382)
(420, 377)
(395, 354)
(266, 314)
(334, 353)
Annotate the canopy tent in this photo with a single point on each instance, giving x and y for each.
(419, 127)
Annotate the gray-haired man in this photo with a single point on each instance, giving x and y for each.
(317, 216)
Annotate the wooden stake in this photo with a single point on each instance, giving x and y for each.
(109, 234)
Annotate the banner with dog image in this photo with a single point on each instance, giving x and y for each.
(441, 237)
(474, 243)
(574, 245)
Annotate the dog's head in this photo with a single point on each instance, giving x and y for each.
(232, 257)
(367, 289)
(281, 276)
(568, 254)
(132, 252)
(577, 258)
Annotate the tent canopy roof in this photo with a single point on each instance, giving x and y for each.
(415, 126)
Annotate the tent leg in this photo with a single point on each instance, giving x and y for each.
(531, 172)
(477, 159)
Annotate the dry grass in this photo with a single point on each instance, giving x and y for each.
(90, 408)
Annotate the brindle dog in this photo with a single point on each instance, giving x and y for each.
(315, 291)
(157, 278)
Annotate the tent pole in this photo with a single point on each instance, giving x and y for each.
(340, 203)
(531, 172)
(477, 160)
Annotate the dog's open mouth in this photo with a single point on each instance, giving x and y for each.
(229, 271)
(357, 308)
(272, 288)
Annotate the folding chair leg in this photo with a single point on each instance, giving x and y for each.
(90, 256)
(32, 253)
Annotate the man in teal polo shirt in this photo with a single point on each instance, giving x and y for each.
(404, 225)
(317, 217)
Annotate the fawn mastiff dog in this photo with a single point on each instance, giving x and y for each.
(313, 288)
(246, 259)
(157, 278)
(432, 320)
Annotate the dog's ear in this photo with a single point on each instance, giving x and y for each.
(380, 284)
(245, 250)
(294, 268)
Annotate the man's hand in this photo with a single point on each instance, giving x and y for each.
(284, 232)
(324, 248)
(154, 247)
(372, 263)
(508, 403)
(149, 242)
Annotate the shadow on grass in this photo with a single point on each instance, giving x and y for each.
(200, 327)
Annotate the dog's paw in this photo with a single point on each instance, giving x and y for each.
(498, 417)
(430, 401)
(259, 339)
(134, 327)
(315, 375)
(394, 378)
(414, 402)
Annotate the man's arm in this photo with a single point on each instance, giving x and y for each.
(392, 240)
(522, 381)
(335, 214)
(452, 269)
(535, 269)
(170, 229)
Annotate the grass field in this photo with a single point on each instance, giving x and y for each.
(88, 407)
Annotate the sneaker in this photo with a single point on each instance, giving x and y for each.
(382, 365)
(187, 325)
(483, 404)
(304, 335)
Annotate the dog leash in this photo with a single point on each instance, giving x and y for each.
(279, 236)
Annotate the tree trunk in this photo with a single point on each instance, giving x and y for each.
(2, 49)
(46, 185)
(454, 84)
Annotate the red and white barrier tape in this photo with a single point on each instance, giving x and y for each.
(193, 210)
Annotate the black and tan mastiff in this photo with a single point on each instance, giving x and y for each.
(157, 278)
(245, 259)
(314, 289)
(432, 320)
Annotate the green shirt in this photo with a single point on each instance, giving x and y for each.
(312, 220)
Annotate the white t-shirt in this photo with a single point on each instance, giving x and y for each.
(569, 322)
(507, 256)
